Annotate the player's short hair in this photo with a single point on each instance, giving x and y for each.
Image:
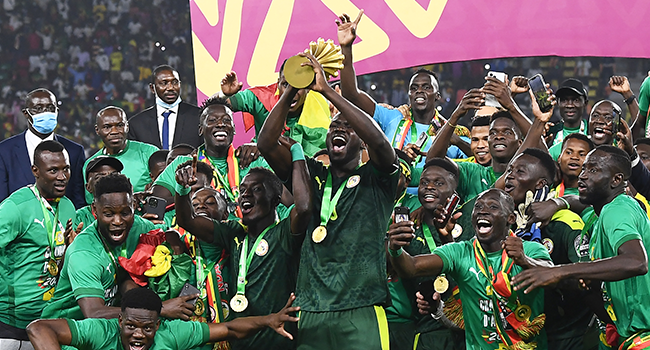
(141, 298)
(426, 71)
(547, 163)
(482, 120)
(160, 156)
(101, 112)
(507, 115)
(445, 163)
(504, 196)
(578, 136)
(47, 146)
(212, 101)
(642, 141)
(272, 184)
(113, 183)
(619, 160)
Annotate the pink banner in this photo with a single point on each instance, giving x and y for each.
(253, 37)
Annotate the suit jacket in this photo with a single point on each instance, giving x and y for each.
(143, 126)
(16, 170)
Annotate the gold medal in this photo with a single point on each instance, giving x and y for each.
(522, 312)
(52, 268)
(238, 303)
(319, 234)
(441, 284)
(199, 307)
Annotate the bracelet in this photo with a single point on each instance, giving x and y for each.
(630, 99)
(452, 125)
(565, 202)
(395, 253)
(183, 191)
(297, 152)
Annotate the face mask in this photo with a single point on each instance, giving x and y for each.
(166, 105)
(44, 122)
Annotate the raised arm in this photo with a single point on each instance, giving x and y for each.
(621, 85)
(473, 99)
(247, 326)
(302, 190)
(382, 155)
(347, 33)
(400, 235)
(200, 226)
(631, 260)
(49, 334)
(278, 157)
(502, 92)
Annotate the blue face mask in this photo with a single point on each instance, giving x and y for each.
(166, 105)
(44, 122)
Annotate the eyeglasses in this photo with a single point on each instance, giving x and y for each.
(37, 109)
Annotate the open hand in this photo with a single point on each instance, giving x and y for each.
(473, 99)
(320, 83)
(69, 233)
(347, 29)
(230, 85)
(277, 320)
(536, 277)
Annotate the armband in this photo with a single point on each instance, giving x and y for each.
(297, 153)
(395, 253)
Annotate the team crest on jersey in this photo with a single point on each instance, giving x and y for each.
(548, 243)
(353, 181)
(457, 231)
(262, 248)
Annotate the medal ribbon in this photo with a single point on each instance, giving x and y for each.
(328, 206)
(232, 185)
(51, 229)
(429, 237)
(404, 128)
(559, 190)
(246, 259)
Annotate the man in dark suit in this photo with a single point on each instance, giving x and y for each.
(170, 121)
(17, 152)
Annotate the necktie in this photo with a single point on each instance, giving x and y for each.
(165, 129)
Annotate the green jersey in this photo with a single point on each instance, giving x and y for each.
(474, 179)
(102, 334)
(347, 269)
(270, 278)
(555, 151)
(135, 158)
(567, 314)
(644, 101)
(26, 240)
(91, 270)
(460, 263)
(84, 215)
(620, 221)
(167, 178)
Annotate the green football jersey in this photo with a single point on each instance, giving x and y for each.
(89, 271)
(620, 221)
(84, 215)
(134, 158)
(270, 278)
(25, 282)
(102, 334)
(474, 179)
(167, 178)
(460, 263)
(347, 270)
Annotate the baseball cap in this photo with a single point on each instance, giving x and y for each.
(104, 160)
(574, 85)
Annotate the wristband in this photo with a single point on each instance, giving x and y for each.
(395, 253)
(630, 99)
(565, 202)
(183, 191)
(297, 153)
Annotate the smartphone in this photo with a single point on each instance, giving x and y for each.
(421, 140)
(616, 123)
(538, 87)
(402, 214)
(426, 289)
(189, 289)
(155, 205)
(490, 100)
(452, 204)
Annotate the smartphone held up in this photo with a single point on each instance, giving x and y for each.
(538, 87)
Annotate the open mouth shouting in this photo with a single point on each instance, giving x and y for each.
(136, 345)
(246, 206)
(420, 100)
(601, 132)
(483, 227)
(339, 142)
(220, 135)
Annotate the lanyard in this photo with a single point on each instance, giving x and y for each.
(404, 128)
(327, 206)
(110, 253)
(586, 228)
(560, 189)
(245, 259)
(429, 237)
(231, 187)
(47, 210)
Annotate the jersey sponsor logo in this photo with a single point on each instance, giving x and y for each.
(40, 222)
(548, 243)
(485, 182)
(473, 270)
